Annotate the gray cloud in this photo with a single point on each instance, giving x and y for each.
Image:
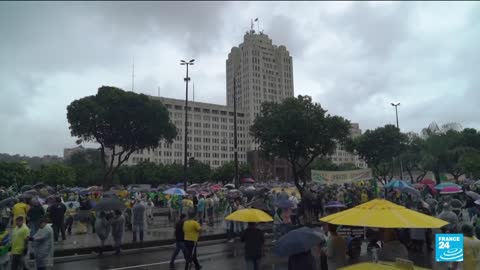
(353, 58)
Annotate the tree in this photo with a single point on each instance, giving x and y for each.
(470, 162)
(378, 148)
(56, 174)
(299, 131)
(198, 172)
(15, 174)
(87, 166)
(226, 172)
(413, 157)
(323, 164)
(121, 122)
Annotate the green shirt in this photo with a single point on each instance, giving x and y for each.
(19, 235)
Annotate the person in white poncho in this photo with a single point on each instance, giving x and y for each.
(43, 245)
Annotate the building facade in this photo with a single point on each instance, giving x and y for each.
(210, 135)
(342, 157)
(262, 72)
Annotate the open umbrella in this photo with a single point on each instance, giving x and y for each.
(411, 190)
(72, 204)
(375, 212)
(249, 215)
(109, 204)
(456, 204)
(260, 205)
(39, 186)
(66, 190)
(381, 266)
(8, 202)
(472, 194)
(335, 204)
(230, 186)
(447, 184)
(397, 184)
(175, 191)
(215, 187)
(247, 180)
(284, 204)
(234, 193)
(193, 186)
(25, 188)
(427, 182)
(33, 192)
(297, 241)
(109, 194)
(450, 190)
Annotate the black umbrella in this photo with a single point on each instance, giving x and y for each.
(8, 202)
(109, 204)
(109, 194)
(25, 188)
(39, 186)
(260, 205)
(32, 192)
(66, 190)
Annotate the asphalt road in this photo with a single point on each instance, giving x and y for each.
(216, 256)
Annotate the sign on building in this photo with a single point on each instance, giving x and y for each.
(340, 177)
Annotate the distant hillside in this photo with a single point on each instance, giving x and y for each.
(33, 162)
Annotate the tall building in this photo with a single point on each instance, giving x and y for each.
(262, 71)
(342, 157)
(210, 135)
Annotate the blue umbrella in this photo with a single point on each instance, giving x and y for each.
(175, 191)
(397, 184)
(284, 204)
(297, 241)
(447, 184)
(335, 204)
(411, 190)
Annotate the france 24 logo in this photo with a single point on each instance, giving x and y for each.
(449, 247)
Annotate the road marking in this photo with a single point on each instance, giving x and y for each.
(168, 262)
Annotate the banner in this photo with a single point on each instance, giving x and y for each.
(340, 177)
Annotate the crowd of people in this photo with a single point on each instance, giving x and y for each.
(33, 226)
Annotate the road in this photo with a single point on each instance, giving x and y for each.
(216, 256)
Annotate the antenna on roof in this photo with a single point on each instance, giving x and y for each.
(251, 25)
(258, 25)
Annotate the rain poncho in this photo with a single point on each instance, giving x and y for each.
(43, 246)
(102, 228)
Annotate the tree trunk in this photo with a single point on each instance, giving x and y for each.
(307, 202)
(436, 173)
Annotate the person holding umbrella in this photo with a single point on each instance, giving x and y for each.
(336, 249)
(254, 240)
(118, 227)
(102, 228)
(138, 221)
(57, 216)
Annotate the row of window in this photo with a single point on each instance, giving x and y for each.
(179, 161)
(210, 111)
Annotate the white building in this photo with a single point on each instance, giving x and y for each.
(210, 135)
(263, 72)
(341, 156)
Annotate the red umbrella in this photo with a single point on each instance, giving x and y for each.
(215, 187)
(451, 190)
(248, 180)
(427, 182)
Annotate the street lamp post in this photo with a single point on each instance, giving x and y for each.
(237, 183)
(396, 114)
(187, 79)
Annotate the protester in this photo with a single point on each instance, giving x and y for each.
(201, 209)
(20, 235)
(277, 224)
(20, 209)
(57, 217)
(138, 222)
(179, 241)
(118, 227)
(210, 206)
(191, 230)
(336, 249)
(4, 247)
(392, 248)
(102, 228)
(294, 215)
(471, 249)
(254, 240)
(43, 245)
(34, 215)
(70, 215)
(303, 261)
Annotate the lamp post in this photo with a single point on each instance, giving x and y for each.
(396, 114)
(235, 154)
(187, 79)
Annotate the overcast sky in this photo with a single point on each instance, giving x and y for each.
(353, 58)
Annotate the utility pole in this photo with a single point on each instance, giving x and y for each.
(235, 154)
(187, 79)
(396, 114)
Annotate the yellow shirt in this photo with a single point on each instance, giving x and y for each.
(191, 230)
(20, 209)
(471, 249)
(19, 235)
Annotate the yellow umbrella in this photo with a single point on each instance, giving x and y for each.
(381, 266)
(249, 215)
(380, 213)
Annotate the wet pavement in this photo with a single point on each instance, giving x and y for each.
(222, 255)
